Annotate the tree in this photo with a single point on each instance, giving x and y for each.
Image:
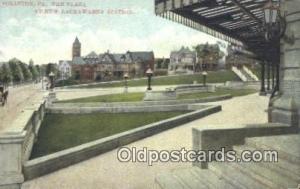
(48, 69)
(17, 74)
(26, 72)
(33, 70)
(207, 53)
(51, 67)
(38, 68)
(165, 63)
(39, 71)
(5, 74)
(206, 50)
(43, 70)
(158, 63)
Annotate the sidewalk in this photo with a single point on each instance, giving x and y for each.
(18, 98)
(106, 172)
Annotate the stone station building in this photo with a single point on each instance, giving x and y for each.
(242, 23)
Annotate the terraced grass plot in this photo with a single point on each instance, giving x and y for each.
(135, 97)
(59, 132)
(219, 92)
(213, 77)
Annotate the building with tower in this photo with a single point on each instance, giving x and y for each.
(107, 66)
(76, 50)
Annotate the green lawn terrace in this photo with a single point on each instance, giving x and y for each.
(62, 130)
(138, 96)
(59, 132)
(92, 125)
(220, 76)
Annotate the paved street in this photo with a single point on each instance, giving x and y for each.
(18, 98)
(105, 172)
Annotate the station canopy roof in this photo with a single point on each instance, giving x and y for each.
(239, 22)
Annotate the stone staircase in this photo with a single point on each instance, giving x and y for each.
(250, 73)
(283, 174)
(245, 74)
(249, 78)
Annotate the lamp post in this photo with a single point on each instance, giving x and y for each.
(268, 76)
(126, 84)
(273, 76)
(275, 24)
(51, 76)
(275, 27)
(263, 88)
(204, 75)
(149, 74)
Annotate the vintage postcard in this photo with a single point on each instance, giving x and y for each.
(149, 94)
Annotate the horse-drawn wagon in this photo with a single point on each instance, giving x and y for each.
(3, 94)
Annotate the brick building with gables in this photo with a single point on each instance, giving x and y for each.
(108, 65)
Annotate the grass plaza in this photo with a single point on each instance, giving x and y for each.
(155, 94)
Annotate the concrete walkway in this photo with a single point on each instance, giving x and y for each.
(106, 172)
(18, 99)
(66, 94)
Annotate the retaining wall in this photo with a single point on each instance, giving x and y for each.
(160, 95)
(142, 103)
(211, 137)
(89, 110)
(16, 144)
(241, 85)
(195, 88)
(124, 107)
(47, 164)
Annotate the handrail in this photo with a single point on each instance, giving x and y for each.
(239, 73)
(250, 73)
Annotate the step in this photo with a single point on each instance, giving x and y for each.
(287, 146)
(236, 177)
(168, 181)
(282, 167)
(191, 178)
(268, 173)
(266, 176)
(212, 180)
(249, 78)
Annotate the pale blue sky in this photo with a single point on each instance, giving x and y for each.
(48, 38)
